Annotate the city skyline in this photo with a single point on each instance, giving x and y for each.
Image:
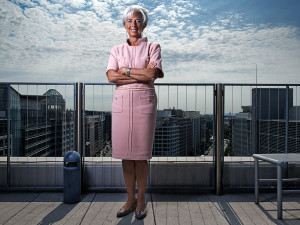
(202, 41)
(43, 125)
(98, 97)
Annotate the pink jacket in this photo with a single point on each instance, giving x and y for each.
(136, 57)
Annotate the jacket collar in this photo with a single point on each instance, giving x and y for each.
(140, 40)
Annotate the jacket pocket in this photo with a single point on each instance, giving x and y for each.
(117, 104)
(148, 104)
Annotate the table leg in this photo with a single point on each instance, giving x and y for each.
(279, 191)
(256, 181)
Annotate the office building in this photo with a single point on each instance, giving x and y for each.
(179, 133)
(261, 128)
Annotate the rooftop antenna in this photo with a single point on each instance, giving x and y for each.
(256, 75)
(255, 124)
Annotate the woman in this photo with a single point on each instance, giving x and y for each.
(134, 66)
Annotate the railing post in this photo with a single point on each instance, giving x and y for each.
(285, 165)
(219, 113)
(79, 127)
(79, 99)
(8, 136)
(286, 119)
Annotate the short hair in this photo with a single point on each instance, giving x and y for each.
(138, 9)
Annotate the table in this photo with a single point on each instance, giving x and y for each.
(278, 159)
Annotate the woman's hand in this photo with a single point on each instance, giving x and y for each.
(150, 73)
(151, 65)
(114, 76)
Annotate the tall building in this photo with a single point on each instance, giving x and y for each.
(11, 108)
(68, 132)
(166, 140)
(261, 128)
(39, 124)
(42, 121)
(97, 132)
(241, 145)
(179, 133)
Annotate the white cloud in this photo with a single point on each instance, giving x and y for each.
(70, 41)
(76, 3)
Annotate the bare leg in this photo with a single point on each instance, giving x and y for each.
(129, 177)
(141, 172)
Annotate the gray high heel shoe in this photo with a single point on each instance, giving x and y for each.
(125, 212)
(140, 214)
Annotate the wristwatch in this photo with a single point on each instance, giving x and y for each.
(128, 71)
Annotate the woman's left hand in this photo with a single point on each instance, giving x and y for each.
(151, 65)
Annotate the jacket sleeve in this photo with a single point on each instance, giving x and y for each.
(155, 55)
(112, 60)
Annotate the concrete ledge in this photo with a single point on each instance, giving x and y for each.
(106, 173)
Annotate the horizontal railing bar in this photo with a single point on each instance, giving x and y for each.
(37, 83)
(162, 84)
(284, 180)
(251, 84)
(290, 191)
(184, 84)
(151, 189)
(31, 188)
(112, 84)
(158, 84)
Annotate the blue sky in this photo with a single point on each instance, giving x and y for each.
(202, 41)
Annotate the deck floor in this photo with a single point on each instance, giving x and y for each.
(100, 208)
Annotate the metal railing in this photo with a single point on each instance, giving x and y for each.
(82, 107)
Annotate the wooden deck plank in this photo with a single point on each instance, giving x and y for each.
(242, 211)
(218, 214)
(195, 214)
(109, 211)
(77, 214)
(42, 213)
(270, 209)
(184, 214)
(27, 214)
(11, 210)
(160, 211)
(207, 213)
(291, 210)
(260, 215)
(94, 215)
(172, 213)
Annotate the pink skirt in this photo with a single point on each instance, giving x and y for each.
(133, 123)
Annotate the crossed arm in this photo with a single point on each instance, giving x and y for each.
(144, 75)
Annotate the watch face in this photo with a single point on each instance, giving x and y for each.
(128, 72)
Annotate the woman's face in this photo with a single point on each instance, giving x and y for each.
(134, 25)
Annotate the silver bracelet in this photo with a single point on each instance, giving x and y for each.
(128, 71)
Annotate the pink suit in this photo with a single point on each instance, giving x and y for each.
(134, 105)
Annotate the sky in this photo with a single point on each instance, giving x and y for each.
(202, 41)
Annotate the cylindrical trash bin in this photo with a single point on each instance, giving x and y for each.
(72, 177)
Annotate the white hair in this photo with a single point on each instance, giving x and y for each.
(135, 8)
